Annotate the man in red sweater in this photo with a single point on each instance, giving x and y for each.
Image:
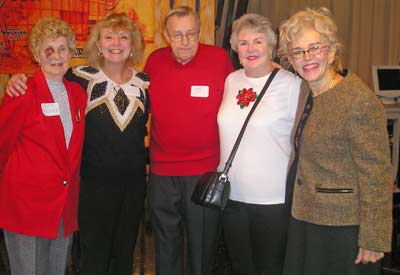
(186, 88)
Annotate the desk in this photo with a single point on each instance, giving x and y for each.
(393, 112)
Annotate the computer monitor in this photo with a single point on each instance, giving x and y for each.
(386, 80)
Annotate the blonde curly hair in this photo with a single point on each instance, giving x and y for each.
(319, 20)
(50, 28)
(115, 21)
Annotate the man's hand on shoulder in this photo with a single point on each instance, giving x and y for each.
(16, 86)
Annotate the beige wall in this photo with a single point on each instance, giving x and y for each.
(369, 29)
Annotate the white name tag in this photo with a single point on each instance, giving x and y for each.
(132, 91)
(199, 91)
(50, 109)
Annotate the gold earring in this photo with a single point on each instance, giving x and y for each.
(131, 54)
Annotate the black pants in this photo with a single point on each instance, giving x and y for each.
(324, 250)
(173, 214)
(110, 213)
(255, 236)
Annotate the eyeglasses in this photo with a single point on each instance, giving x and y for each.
(313, 50)
(178, 36)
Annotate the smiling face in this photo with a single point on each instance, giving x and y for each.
(115, 45)
(53, 55)
(254, 53)
(313, 68)
(186, 48)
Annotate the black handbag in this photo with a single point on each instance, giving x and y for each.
(213, 188)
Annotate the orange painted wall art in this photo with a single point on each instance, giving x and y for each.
(18, 16)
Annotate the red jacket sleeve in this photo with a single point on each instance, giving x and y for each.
(13, 112)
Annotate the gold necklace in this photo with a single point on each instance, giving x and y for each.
(330, 86)
(332, 82)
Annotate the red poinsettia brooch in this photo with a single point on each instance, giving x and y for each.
(246, 96)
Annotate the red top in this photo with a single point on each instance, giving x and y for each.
(39, 176)
(184, 136)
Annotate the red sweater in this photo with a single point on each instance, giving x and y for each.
(184, 136)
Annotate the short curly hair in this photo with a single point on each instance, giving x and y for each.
(115, 21)
(319, 20)
(256, 22)
(50, 28)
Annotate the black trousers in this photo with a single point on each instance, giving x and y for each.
(176, 218)
(255, 236)
(110, 213)
(324, 250)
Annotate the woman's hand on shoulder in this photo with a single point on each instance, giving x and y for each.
(368, 256)
(16, 86)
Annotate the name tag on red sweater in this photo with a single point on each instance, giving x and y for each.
(199, 91)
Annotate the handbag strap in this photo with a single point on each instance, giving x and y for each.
(228, 163)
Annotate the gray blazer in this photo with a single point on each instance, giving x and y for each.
(344, 170)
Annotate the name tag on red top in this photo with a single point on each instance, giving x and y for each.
(51, 109)
(199, 91)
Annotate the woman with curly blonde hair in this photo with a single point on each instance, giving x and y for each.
(115, 21)
(114, 154)
(340, 167)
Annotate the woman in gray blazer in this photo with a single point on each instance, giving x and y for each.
(340, 171)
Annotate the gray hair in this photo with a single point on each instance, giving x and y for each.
(256, 22)
(182, 11)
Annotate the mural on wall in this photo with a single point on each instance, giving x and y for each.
(18, 16)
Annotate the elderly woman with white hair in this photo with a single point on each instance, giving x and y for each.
(256, 217)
